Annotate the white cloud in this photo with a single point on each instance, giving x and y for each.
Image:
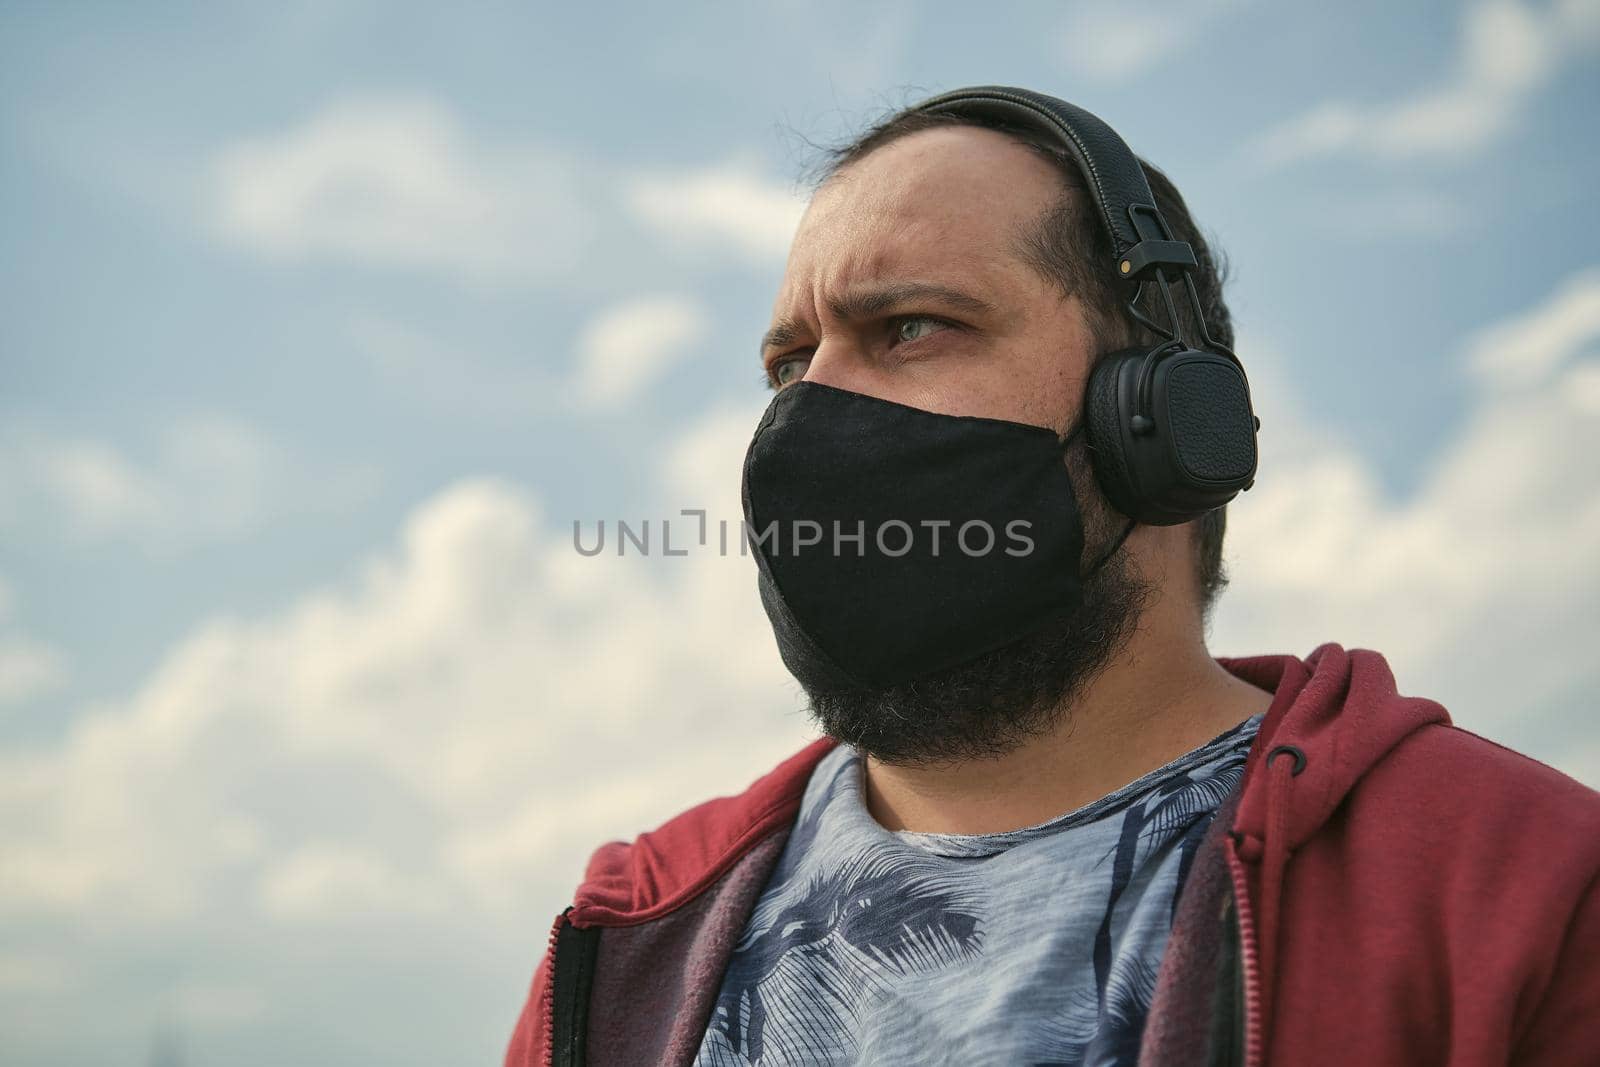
(1117, 42)
(395, 181)
(1508, 51)
(632, 345)
(1480, 585)
(460, 380)
(732, 206)
(206, 476)
(479, 677)
(1386, 214)
(28, 669)
(24, 974)
(1527, 349)
(327, 881)
(212, 1005)
(99, 486)
(624, 349)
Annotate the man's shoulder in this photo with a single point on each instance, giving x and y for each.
(1450, 761)
(667, 866)
(1463, 798)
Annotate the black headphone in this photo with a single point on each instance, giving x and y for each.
(1170, 427)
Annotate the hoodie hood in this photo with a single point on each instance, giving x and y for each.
(1339, 711)
(1333, 717)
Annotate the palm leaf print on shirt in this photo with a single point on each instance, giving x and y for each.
(844, 937)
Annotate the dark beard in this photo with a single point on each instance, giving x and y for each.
(992, 705)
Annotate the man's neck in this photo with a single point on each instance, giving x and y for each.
(1161, 697)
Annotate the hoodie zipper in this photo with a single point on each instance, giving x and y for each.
(1250, 965)
(572, 956)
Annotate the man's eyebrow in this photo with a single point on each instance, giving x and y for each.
(869, 302)
(782, 333)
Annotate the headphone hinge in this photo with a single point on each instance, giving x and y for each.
(1140, 262)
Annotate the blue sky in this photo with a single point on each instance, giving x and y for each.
(322, 323)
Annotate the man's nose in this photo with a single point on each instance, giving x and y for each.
(840, 363)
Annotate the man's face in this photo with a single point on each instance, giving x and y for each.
(906, 282)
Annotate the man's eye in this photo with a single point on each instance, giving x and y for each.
(790, 370)
(917, 327)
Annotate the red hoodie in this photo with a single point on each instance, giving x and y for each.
(1383, 888)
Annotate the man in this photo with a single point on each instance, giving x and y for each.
(1046, 826)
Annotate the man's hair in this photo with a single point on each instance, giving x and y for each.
(1070, 246)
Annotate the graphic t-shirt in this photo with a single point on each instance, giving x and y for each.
(1037, 946)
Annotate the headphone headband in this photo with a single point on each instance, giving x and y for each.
(1140, 238)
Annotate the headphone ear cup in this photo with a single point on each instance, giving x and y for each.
(1107, 417)
(1195, 449)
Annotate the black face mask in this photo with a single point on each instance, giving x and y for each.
(894, 542)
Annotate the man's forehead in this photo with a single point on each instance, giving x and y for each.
(944, 173)
(948, 201)
(970, 156)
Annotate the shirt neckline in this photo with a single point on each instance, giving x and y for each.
(962, 846)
